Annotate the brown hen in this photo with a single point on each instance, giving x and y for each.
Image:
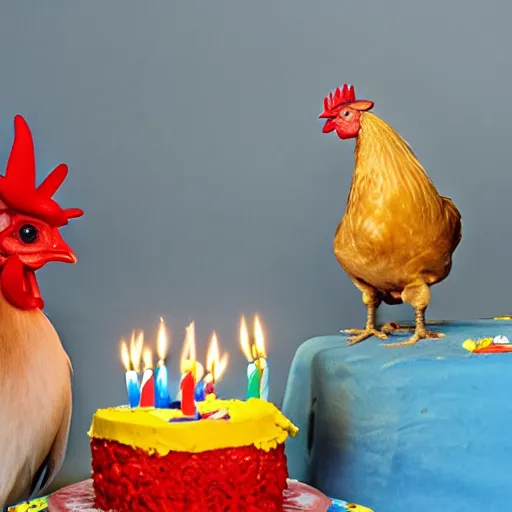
(397, 236)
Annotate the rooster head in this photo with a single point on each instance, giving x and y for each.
(29, 222)
(343, 112)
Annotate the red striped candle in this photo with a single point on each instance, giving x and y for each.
(147, 387)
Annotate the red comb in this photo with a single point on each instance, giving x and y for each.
(335, 102)
(18, 186)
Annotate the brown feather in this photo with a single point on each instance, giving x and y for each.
(396, 229)
(35, 400)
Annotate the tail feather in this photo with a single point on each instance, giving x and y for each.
(454, 218)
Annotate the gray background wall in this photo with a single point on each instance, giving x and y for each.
(191, 133)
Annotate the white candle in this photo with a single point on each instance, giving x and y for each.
(264, 379)
(261, 357)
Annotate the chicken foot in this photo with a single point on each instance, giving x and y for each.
(418, 296)
(372, 302)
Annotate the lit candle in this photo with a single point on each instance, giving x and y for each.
(253, 370)
(188, 367)
(264, 379)
(162, 400)
(199, 392)
(131, 378)
(147, 387)
(257, 368)
(215, 366)
(261, 358)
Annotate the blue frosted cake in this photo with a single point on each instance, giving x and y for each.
(419, 428)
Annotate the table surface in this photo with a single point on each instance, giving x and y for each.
(323, 362)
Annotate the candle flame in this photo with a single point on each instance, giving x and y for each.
(125, 356)
(259, 339)
(213, 355)
(214, 364)
(244, 340)
(136, 346)
(221, 367)
(252, 350)
(162, 341)
(148, 358)
(198, 371)
(188, 352)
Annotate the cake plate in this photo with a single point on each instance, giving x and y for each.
(79, 497)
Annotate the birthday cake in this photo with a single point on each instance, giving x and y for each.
(230, 457)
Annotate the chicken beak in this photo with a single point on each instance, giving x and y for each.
(329, 126)
(59, 250)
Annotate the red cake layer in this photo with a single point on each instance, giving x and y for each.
(233, 479)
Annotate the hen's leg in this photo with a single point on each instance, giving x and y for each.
(418, 296)
(372, 301)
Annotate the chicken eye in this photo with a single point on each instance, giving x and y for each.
(28, 234)
(345, 113)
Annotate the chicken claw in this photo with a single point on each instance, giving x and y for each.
(363, 334)
(417, 336)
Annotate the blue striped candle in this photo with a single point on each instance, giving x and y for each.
(162, 399)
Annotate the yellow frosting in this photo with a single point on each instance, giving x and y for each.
(254, 422)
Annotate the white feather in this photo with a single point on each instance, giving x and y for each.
(35, 400)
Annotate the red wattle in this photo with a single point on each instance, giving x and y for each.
(17, 285)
